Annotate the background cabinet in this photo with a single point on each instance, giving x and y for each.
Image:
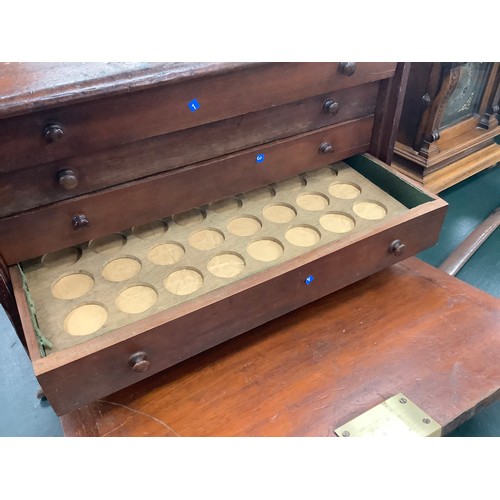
(449, 122)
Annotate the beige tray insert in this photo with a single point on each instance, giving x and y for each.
(85, 291)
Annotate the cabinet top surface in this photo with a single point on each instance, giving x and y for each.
(31, 86)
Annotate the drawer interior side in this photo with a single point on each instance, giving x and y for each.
(42, 342)
(406, 193)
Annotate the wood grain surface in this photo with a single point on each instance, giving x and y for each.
(142, 201)
(29, 86)
(410, 328)
(126, 162)
(118, 119)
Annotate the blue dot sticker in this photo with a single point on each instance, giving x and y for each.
(259, 158)
(309, 279)
(193, 105)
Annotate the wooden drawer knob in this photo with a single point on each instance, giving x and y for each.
(397, 248)
(139, 362)
(326, 148)
(67, 179)
(52, 132)
(80, 221)
(331, 107)
(347, 68)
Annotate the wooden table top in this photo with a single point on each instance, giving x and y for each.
(410, 328)
(32, 86)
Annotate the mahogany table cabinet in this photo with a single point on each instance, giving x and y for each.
(152, 211)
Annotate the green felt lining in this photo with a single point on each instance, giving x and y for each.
(407, 194)
(42, 341)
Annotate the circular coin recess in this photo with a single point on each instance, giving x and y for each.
(206, 239)
(190, 217)
(260, 194)
(370, 210)
(226, 265)
(280, 213)
(108, 244)
(61, 258)
(344, 191)
(337, 222)
(150, 230)
(85, 319)
(246, 225)
(292, 184)
(166, 254)
(312, 201)
(303, 236)
(136, 299)
(72, 286)
(225, 206)
(121, 269)
(183, 282)
(265, 250)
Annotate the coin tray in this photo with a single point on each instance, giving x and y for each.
(88, 290)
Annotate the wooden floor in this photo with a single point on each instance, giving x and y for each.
(410, 329)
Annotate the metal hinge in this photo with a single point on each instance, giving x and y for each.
(396, 416)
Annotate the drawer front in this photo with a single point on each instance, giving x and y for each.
(173, 192)
(102, 123)
(172, 336)
(87, 173)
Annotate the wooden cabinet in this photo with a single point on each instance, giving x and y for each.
(153, 212)
(448, 123)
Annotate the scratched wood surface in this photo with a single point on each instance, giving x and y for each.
(410, 328)
(126, 162)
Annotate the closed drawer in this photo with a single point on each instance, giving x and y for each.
(181, 189)
(83, 174)
(319, 254)
(85, 127)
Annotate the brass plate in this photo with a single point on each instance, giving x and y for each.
(397, 416)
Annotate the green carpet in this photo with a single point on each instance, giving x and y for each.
(470, 202)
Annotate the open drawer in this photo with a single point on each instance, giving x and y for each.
(105, 314)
